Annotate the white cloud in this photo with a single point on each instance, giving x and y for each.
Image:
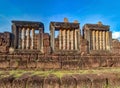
(116, 35)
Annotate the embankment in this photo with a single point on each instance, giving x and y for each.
(67, 81)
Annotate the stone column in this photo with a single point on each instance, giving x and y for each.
(93, 36)
(88, 38)
(110, 40)
(19, 44)
(103, 42)
(71, 35)
(23, 38)
(41, 31)
(32, 39)
(15, 37)
(28, 39)
(76, 44)
(107, 40)
(52, 35)
(68, 39)
(78, 37)
(64, 39)
(60, 34)
(97, 40)
(100, 40)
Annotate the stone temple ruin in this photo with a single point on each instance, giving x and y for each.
(98, 36)
(25, 36)
(68, 38)
(28, 46)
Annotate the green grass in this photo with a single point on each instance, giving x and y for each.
(58, 73)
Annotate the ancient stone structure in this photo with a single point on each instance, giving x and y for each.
(68, 37)
(98, 36)
(25, 36)
(29, 47)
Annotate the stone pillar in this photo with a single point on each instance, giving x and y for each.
(110, 40)
(93, 36)
(19, 44)
(23, 38)
(15, 37)
(78, 38)
(71, 35)
(65, 39)
(100, 40)
(52, 37)
(104, 38)
(63, 32)
(107, 40)
(41, 31)
(32, 38)
(76, 44)
(97, 40)
(28, 39)
(68, 39)
(60, 34)
(88, 38)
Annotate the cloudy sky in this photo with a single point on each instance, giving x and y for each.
(85, 11)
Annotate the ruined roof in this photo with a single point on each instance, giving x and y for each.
(28, 23)
(65, 25)
(98, 26)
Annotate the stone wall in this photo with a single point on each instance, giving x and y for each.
(46, 43)
(5, 42)
(32, 61)
(67, 81)
(84, 49)
(115, 46)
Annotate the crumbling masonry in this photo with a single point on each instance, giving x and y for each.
(29, 47)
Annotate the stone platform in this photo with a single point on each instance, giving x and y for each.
(52, 61)
(53, 79)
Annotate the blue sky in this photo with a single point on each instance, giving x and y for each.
(85, 11)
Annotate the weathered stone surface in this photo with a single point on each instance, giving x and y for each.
(51, 82)
(68, 82)
(68, 50)
(47, 50)
(39, 61)
(35, 82)
(106, 80)
(6, 82)
(5, 42)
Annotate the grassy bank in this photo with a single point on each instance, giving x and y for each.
(58, 73)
